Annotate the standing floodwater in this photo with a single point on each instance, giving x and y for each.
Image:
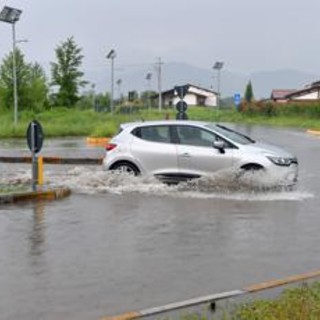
(119, 244)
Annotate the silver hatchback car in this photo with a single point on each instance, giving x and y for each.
(180, 150)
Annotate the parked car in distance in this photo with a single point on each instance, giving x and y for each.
(179, 150)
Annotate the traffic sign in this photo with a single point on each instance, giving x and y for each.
(181, 106)
(237, 99)
(181, 116)
(181, 91)
(35, 136)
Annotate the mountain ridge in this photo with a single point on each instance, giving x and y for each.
(179, 73)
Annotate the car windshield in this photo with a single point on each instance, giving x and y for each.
(230, 134)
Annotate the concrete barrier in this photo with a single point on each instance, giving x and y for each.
(48, 194)
(212, 299)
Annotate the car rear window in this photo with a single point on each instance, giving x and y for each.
(153, 133)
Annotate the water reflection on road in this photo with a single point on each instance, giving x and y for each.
(118, 244)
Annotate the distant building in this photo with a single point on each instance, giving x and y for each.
(196, 96)
(280, 95)
(310, 92)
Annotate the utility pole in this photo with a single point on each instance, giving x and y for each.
(14, 64)
(218, 66)
(148, 78)
(119, 82)
(159, 71)
(12, 15)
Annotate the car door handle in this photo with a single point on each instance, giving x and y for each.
(185, 155)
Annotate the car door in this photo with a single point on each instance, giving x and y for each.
(152, 149)
(196, 154)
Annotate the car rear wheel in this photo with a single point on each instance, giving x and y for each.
(125, 167)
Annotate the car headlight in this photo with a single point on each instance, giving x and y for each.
(280, 161)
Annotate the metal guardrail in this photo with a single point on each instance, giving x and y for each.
(214, 305)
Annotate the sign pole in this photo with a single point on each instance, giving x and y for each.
(181, 106)
(34, 159)
(35, 141)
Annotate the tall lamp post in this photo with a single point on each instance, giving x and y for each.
(12, 15)
(218, 66)
(111, 55)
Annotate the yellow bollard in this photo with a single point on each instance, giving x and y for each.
(40, 171)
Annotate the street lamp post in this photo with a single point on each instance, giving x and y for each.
(111, 55)
(12, 15)
(218, 66)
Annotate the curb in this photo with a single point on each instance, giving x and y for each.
(50, 194)
(214, 297)
(315, 132)
(54, 160)
(98, 141)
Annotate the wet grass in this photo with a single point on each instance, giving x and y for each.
(302, 303)
(294, 304)
(61, 122)
(8, 189)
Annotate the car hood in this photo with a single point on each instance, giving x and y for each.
(264, 148)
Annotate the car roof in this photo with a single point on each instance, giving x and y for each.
(129, 125)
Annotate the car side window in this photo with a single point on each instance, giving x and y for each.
(153, 133)
(195, 136)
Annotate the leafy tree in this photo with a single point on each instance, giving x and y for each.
(66, 73)
(31, 83)
(248, 95)
(37, 88)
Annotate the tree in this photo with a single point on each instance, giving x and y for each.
(31, 83)
(66, 73)
(248, 95)
(37, 88)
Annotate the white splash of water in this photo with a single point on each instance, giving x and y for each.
(228, 185)
(222, 185)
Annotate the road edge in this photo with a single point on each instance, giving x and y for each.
(48, 194)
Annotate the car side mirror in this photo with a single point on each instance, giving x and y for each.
(218, 144)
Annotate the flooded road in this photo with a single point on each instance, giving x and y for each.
(119, 243)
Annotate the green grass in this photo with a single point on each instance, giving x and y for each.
(4, 189)
(301, 303)
(60, 122)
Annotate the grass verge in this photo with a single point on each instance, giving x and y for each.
(61, 122)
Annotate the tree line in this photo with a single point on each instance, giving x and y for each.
(36, 92)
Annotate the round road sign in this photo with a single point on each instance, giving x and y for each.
(35, 136)
(181, 106)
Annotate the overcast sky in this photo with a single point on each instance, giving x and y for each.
(248, 35)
